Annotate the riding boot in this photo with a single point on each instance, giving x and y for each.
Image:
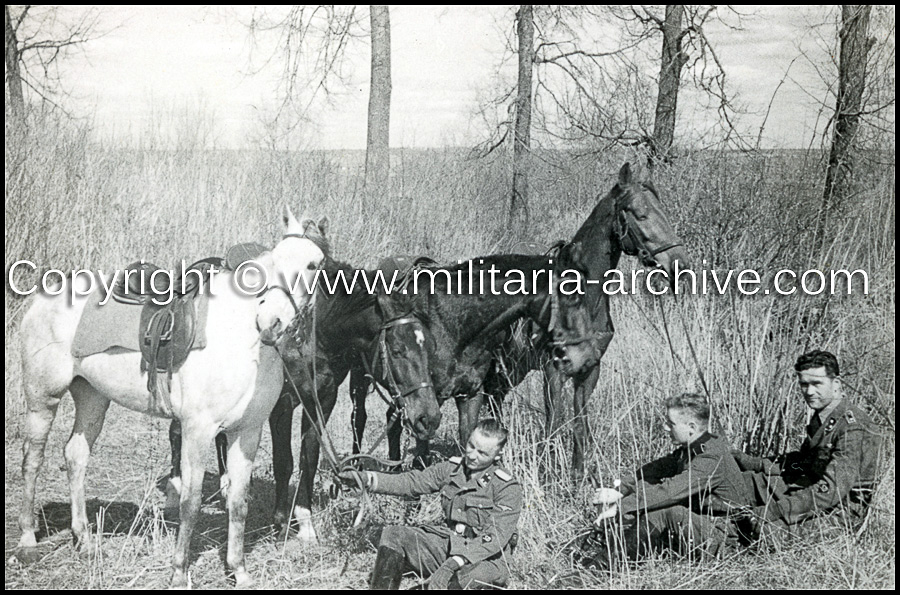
(388, 571)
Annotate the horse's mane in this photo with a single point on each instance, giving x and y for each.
(314, 234)
(342, 303)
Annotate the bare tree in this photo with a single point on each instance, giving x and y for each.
(378, 156)
(589, 87)
(854, 50)
(38, 39)
(312, 46)
(673, 60)
(518, 207)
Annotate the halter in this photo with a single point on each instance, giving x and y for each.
(397, 397)
(315, 239)
(624, 230)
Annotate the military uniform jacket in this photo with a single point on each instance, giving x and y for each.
(699, 476)
(836, 458)
(481, 511)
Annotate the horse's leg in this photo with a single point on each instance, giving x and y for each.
(359, 387)
(46, 373)
(222, 460)
(280, 422)
(241, 455)
(553, 405)
(309, 460)
(38, 420)
(90, 412)
(394, 433)
(173, 486)
(196, 440)
(584, 387)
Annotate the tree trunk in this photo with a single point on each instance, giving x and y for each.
(669, 79)
(854, 51)
(518, 208)
(13, 76)
(378, 158)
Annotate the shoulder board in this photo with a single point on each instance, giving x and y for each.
(851, 419)
(502, 474)
(455, 460)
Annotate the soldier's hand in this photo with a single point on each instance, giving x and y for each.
(349, 478)
(440, 578)
(606, 496)
(609, 512)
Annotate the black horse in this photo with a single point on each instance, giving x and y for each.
(349, 326)
(628, 219)
(466, 327)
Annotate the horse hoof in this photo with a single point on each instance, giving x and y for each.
(180, 581)
(243, 580)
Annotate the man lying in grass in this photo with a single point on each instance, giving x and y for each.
(830, 479)
(679, 502)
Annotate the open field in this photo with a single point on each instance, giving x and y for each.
(73, 204)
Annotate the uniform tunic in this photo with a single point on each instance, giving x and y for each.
(834, 468)
(686, 496)
(481, 511)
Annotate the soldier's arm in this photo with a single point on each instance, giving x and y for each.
(500, 529)
(698, 477)
(651, 473)
(758, 464)
(411, 483)
(841, 474)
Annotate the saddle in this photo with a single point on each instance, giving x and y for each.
(405, 266)
(168, 322)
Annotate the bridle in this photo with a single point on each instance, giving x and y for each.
(624, 229)
(396, 395)
(318, 241)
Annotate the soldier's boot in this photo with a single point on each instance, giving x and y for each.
(595, 551)
(388, 571)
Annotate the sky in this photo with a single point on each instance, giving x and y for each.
(157, 67)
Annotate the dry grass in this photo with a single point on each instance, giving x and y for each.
(70, 203)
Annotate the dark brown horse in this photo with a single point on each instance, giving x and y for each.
(629, 219)
(466, 327)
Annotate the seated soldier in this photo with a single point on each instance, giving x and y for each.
(481, 502)
(833, 473)
(679, 502)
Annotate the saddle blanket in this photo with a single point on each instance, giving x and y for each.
(116, 325)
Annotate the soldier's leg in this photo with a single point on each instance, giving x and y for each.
(486, 574)
(610, 546)
(693, 534)
(423, 551)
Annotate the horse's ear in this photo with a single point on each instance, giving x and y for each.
(625, 175)
(290, 222)
(323, 224)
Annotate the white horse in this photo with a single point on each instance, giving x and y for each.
(231, 385)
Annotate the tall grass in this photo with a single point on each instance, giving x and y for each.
(74, 203)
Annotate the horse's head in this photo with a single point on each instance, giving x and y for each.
(642, 227)
(289, 271)
(401, 363)
(576, 344)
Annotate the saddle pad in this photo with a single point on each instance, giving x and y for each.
(116, 325)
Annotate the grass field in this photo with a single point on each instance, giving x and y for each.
(71, 203)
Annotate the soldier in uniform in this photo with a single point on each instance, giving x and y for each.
(481, 502)
(680, 501)
(833, 473)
